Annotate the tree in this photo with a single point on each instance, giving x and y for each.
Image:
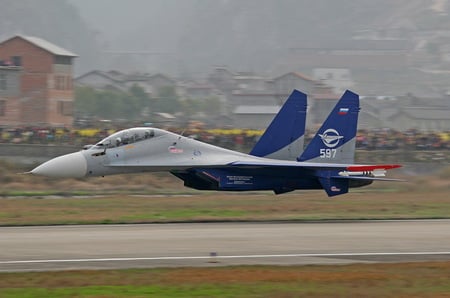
(209, 106)
(167, 101)
(110, 104)
(139, 94)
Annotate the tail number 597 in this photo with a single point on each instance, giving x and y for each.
(327, 153)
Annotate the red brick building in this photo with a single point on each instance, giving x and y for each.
(35, 83)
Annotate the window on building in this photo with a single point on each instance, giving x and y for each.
(65, 108)
(68, 82)
(60, 82)
(63, 83)
(2, 108)
(56, 82)
(16, 60)
(63, 60)
(2, 81)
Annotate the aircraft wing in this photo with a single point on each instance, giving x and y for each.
(335, 179)
(329, 170)
(351, 168)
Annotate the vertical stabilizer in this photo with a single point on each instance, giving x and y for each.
(284, 137)
(335, 141)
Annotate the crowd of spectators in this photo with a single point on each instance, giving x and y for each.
(238, 139)
(408, 140)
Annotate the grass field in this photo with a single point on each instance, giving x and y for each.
(358, 280)
(221, 207)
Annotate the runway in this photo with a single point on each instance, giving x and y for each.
(221, 244)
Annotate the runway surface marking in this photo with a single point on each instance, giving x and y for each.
(420, 253)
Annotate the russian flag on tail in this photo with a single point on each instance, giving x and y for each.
(343, 111)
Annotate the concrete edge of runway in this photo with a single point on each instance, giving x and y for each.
(212, 221)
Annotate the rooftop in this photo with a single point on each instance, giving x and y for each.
(257, 109)
(45, 45)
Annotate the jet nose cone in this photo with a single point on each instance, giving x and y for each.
(72, 165)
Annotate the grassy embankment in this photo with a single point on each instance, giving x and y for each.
(357, 280)
(219, 207)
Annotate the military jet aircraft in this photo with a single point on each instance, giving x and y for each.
(327, 162)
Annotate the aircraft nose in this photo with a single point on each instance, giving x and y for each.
(73, 165)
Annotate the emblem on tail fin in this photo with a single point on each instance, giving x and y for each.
(330, 137)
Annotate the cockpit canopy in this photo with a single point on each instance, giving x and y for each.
(127, 136)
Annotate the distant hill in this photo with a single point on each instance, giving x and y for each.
(250, 34)
(188, 37)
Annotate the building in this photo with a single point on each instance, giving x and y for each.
(255, 117)
(10, 94)
(35, 82)
(199, 90)
(118, 81)
(338, 78)
(102, 80)
(152, 84)
(255, 108)
(423, 119)
(285, 83)
(223, 79)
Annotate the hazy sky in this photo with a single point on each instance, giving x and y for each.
(115, 19)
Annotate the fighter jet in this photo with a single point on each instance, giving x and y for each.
(327, 162)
